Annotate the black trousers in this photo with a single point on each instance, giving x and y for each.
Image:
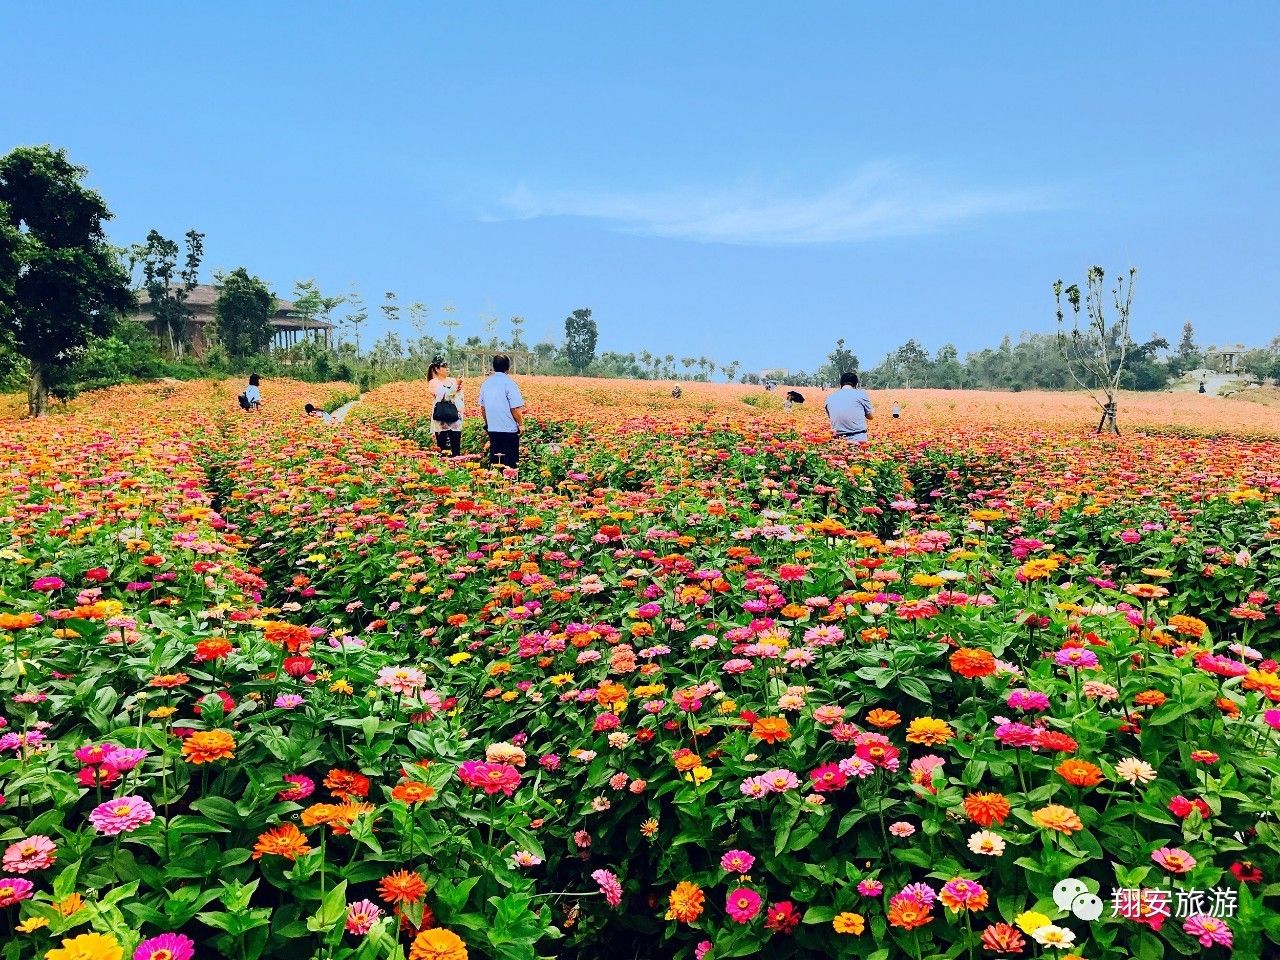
(504, 449)
(450, 440)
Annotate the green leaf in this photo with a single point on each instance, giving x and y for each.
(332, 909)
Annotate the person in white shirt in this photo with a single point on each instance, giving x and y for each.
(252, 394)
(849, 410)
(445, 390)
(313, 411)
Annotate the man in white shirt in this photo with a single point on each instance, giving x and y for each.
(849, 410)
(502, 408)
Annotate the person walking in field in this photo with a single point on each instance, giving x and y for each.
(446, 411)
(502, 409)
(849, 410)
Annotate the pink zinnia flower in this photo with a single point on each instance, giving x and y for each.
(1174, 860)
(737, 861)
(901, 829)
(609, 886)
(167, 946)
(33, 853)
(1210, 931)
(742, 904)
(125, 759)
(780, 781)
(14, 890)
(870, 888)
(490, 777)
(361, 916)
(122, 815)
(701, 950)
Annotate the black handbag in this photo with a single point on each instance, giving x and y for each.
(445, 411)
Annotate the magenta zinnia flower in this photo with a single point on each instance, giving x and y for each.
(33, 853)
(300, 787)
(361, 916)
(167, 946)
(737, 861)
(122, 815)
(608, 883)
(742, 904)
(13, 890)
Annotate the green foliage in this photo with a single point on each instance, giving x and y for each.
(244, 310)
(580, 336)
(60, 281)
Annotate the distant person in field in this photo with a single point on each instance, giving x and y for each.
(897, 411)
(1202, 389)
(502, 408)
(446, 409)
(251, 399)
(313, 411)
(676, 392)
(849, 410)
(792, 398)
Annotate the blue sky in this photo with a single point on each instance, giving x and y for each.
(743, 180)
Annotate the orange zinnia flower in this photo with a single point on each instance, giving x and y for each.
(413, 792)
(972, 663)
(1080, 773)
(884, 719)
(908, 913)
(1150, 698)
(438, 944)
(285, 841)
(1059, 818)
(402, 887)
(984, 809)
(771, 729)
(345, 784)
(684, 905)
(209, 746)
(292, 636)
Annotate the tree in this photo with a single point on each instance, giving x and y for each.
(243, 312)
(61, 283)
(168, 301)
(390, 309)
(580, 335)
(1096, 345)
(357, 316)
(517, 331)
(913, 363)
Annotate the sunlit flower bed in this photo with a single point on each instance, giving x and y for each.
(698, 683)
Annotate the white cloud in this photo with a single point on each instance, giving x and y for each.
(880, 200)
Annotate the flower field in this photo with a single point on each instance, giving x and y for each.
(700, 682)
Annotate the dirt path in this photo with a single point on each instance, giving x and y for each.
(341, 413)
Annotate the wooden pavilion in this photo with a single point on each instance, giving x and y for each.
(290, 326)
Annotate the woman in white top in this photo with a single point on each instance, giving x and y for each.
(445, 390)
(252, 393)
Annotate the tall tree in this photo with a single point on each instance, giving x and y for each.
(517, 332)
(1097, 342)
(580, 336)
(390, 309)
(244, 311)
(357, 315)
(169, 287)
(61, 282)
